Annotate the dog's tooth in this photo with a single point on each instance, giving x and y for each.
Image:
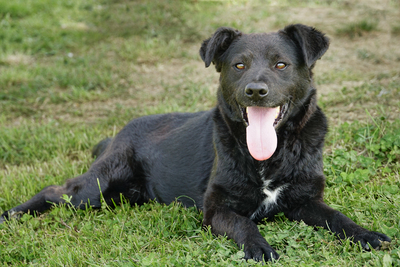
(278, 109)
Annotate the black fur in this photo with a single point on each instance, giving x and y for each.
(203, 159)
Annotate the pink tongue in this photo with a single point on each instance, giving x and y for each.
(260, 134)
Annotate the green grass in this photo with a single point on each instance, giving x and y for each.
(395, 29)
(73, 72)
(358, 28)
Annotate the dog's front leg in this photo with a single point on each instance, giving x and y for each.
(317, 213)
(223, 220)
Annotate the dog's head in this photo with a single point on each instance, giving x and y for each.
(264, 77)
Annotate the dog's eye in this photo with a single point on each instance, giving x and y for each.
(240, 66)
(280, 66)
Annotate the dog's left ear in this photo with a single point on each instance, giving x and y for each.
(212, 48)
(312, 42)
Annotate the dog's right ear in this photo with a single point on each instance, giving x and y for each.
(212, 48)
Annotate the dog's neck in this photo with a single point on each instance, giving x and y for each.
(303, 112)
(309, 108)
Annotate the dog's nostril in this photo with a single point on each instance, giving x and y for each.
(249, 92)
(263, 92)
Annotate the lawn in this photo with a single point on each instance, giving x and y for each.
(74, 72)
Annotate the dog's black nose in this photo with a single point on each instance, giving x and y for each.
(256, 91)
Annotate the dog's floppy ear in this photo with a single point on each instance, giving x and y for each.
(312, 42)
(212, 48)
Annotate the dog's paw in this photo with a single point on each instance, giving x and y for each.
(10, 214)
(260, 252)
(369, 239)
(4, 217)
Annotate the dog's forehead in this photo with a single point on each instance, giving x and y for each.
(265, 43)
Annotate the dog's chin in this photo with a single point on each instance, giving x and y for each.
(279, 119)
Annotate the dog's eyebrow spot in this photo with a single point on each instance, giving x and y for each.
(244, 56)
(276, 58)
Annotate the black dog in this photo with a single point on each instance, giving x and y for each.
(257, 153)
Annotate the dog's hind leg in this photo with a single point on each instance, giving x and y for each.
(100, 147)
(54, 195)
(109, 176)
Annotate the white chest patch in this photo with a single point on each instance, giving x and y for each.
(271, 196)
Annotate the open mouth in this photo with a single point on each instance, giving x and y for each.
(280, 113)
(261, 124)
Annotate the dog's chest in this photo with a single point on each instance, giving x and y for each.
(271, 195)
